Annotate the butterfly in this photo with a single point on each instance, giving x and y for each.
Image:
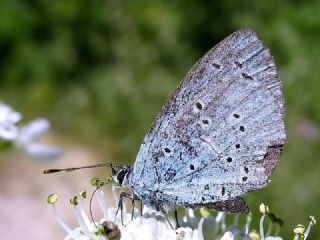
(219, 135)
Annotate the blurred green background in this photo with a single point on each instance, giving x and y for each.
(101, 70)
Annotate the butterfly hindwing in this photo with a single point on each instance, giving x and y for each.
(220, 134)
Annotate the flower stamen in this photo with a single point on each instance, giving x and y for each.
(52, 199)
(78, 215)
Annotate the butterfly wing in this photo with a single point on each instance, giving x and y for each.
(220, 134)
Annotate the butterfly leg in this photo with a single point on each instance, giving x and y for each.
(170, 224)
(141, 208)
(176, 217)
(120, 204)
(119, 207)
(133, 206)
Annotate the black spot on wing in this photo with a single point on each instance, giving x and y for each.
(205, 121)
(238, 64)
(223, 191)
(216, 65)
(247, 76)
(167, 150)
(236, 115)
(199, 106)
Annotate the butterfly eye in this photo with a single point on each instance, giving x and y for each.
(121, 175)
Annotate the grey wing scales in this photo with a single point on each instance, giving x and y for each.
(221, 133)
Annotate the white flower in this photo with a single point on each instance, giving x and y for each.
(28, 137)
(150, 226)
(8, 119)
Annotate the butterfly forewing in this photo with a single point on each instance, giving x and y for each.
(220, 134)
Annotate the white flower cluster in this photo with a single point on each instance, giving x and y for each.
(151, 225)
(26, 137)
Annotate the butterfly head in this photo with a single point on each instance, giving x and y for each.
(121, 175)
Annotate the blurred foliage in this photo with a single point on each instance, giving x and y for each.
(101, 70)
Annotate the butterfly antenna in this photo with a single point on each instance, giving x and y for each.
(55, 170)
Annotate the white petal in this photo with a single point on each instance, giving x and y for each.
(7, 115)
(41, 152)
(8, 132)
(14, 117)
(227, 236)
(200, 233)
(8, 119)
(184, 233)
(273, 238)
(149, 210)
(32, 131)
(142, 228)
